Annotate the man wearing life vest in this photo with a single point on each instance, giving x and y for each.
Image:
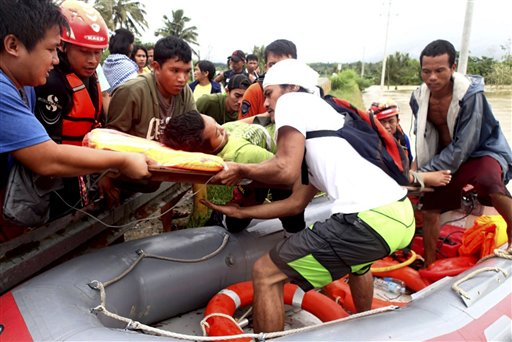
(27, 56)
(69, 105)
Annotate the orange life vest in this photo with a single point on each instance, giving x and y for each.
(83, 117)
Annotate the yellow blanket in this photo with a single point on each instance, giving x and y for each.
(109, 139)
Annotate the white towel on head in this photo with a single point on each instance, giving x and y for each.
(291, 71)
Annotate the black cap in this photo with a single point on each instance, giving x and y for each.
(237, 56)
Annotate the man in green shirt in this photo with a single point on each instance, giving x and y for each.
(139, 105)
(224, 107)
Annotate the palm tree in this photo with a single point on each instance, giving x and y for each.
(177, 28)
(129, 14)
(260, 52)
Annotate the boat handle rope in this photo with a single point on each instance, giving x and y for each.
(463, 293)
(505, 254)
(135, 325)
(500, 253)
(141, 255)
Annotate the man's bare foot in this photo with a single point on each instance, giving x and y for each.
(436, 178)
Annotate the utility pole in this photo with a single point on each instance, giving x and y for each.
(466, 33)
(384, 60)
(362, 63)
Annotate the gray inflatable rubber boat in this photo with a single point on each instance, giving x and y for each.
(172, 276)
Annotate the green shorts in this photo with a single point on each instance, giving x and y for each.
(344, 243)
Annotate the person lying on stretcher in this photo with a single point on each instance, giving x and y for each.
(234, 141)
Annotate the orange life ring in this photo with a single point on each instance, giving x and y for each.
(241, 294)
(339, 291)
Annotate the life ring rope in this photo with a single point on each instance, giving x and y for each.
(135, 325)
(204, 324)
(138, 326)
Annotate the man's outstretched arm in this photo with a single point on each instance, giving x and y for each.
(284, 168)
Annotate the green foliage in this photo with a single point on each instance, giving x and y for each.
(177, 27)
(402, 70)
(480, 66)
(501, 74)
(219, 194)
(345, 85)
(325, 69)
(260, 52)
(343, 80)
(129, 14)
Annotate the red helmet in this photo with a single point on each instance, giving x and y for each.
(385, 108)
(86, 25)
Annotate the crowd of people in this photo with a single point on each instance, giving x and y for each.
(52, 97)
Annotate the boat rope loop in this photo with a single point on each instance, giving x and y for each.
(131, 324)
(500, 253)
(135, 325)
(205, 324)
(142, 255)
(463, 293)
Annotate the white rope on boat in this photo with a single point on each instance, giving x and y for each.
(204, 324)
(500, 253)
(463, 293)
(135, 325)
(142, 255)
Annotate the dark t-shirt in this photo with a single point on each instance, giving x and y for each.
(230, 73)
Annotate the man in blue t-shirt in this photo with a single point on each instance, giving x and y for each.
(27, 54)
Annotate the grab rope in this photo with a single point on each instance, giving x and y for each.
(142, 255)
(505, 254)
(500, 253)
(463, 293)
(135, 325)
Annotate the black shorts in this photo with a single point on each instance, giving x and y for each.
(344, 244)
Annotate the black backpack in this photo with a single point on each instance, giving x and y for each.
(369, 138)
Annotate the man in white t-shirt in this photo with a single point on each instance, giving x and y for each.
(371, 215)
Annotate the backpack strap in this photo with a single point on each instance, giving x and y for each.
(304, 170)
(310, 135)
(321, 133)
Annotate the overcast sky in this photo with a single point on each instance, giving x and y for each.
(337, 30)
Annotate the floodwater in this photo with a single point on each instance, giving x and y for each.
(500, 99)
